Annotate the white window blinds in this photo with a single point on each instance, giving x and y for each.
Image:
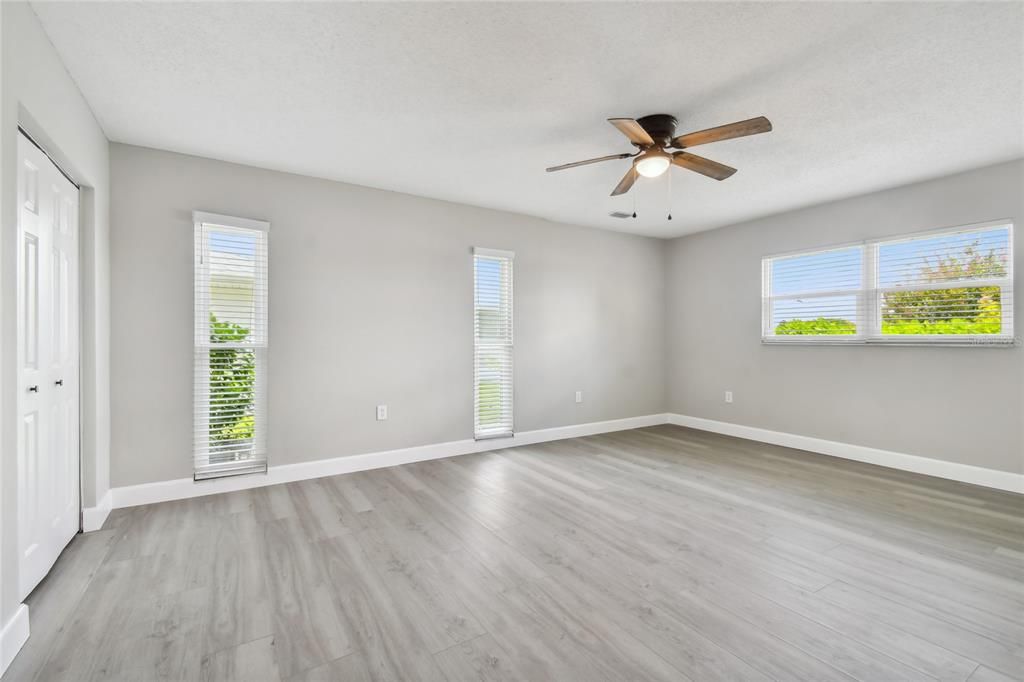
(950, 287)
(231, 290)
(492, 332)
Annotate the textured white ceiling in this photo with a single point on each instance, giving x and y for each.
(469, 102)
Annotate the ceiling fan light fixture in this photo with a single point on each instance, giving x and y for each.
(652, 134)
(653, 163)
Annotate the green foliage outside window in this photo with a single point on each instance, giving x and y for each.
(981, 312)
(819, 327)
(489, 392)
(232, 389)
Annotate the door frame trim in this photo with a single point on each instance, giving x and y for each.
(48, 155)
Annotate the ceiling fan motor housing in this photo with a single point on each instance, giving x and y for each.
(661, 127)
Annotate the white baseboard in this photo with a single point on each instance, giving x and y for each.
(93, 518)
(966, 473)
(13, 637)
(182, 488)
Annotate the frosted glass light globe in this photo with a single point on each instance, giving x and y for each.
(653, 164)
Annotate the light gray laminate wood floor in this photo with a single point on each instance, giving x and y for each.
(653, 554)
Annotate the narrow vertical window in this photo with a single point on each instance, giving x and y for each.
(492, 332)
(230, 345)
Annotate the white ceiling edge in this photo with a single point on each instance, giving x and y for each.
(862, 195)
(842, 197)
(864, 96)
(389, 190)
(752, 219)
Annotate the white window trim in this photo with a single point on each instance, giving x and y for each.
(258, 464)
(199, 217)
(869, 297)
(494, 253)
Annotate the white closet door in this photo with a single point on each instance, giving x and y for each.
(48, 412)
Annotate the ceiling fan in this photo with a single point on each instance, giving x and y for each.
(653, 135)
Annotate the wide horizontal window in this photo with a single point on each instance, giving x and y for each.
(952, 286)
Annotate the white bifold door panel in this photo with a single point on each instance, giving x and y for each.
(48, 416)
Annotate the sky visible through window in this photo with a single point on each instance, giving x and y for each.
(488, 278)
(893, 258)
(232, 262)
(235, 244)
(839, 270)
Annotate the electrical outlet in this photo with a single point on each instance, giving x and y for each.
(579, 396)
(382, 413)
(728, 396)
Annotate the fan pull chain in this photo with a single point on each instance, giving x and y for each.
(669, 186)
(634, 204)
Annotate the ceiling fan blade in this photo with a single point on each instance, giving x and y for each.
(626, 183)
(712, 169)
(633, 130)
(752, 126)
(610, 157)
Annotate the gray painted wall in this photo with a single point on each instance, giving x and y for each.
(371, 302)
(962, 405)
(38, 94)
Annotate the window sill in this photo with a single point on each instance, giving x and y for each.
(970, 342)
(491, 436)
(254, 465)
